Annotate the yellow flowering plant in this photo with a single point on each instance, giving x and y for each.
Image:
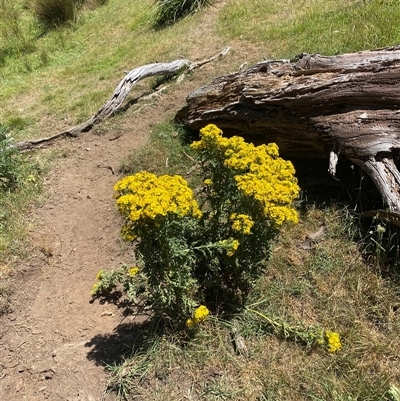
(311, 336)
(126, 280)
(209, 250)
(248, 195)
(161, 215)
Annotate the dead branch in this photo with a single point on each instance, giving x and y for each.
(119, 95)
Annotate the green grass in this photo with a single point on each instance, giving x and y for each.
(15, 206)
(71, 63)
(318, 26)
(167, 152)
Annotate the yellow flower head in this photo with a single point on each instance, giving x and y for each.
(133, 271)
(210, 135)
(241, 223)
(199, 315)
(332, 340)
(208, 182)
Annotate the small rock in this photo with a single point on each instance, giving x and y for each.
(48, 375)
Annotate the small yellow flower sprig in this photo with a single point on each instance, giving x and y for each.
(199, 315)
(310, 336)
(231, 245)
(241, 223)
(107, 281)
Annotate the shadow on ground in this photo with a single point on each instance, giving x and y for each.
(126, 340)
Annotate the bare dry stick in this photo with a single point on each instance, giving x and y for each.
(120, 93)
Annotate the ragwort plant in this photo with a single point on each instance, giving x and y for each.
(248, 194)
(205, 253)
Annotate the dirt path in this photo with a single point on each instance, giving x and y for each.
(55, 343)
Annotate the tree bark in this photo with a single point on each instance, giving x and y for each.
(315, 106)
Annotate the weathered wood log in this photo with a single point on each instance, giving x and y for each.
(114, 102)
(315, 106)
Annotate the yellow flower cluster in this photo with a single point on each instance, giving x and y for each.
(199, 315)
(241, 223)
(95, 286)
(259, 172)
(332, 340)
(231, 245)
(146, 196)
(100, 274)
(133, 271)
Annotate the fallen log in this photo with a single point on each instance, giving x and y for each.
(314, 106)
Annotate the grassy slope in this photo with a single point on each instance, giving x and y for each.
(70, 74)
(83, 64)
(316, 26)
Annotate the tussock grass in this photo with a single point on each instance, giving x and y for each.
(169, 11)
(53, 13)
